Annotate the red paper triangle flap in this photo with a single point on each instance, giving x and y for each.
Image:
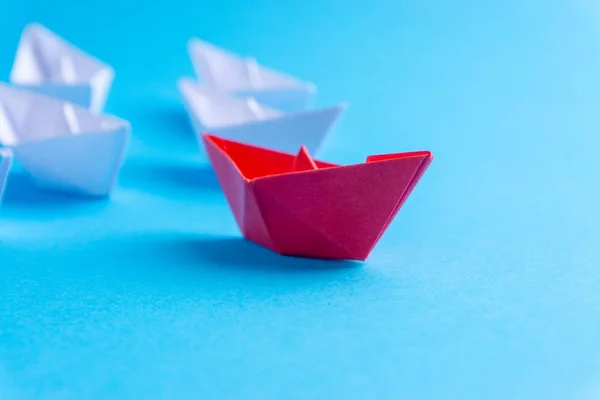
(418, 175)
(303, 161)
(323, 164)
(255, 225)
(294, 237)
(395, 156)
(352, 204)
(231, 180)
(251, 161)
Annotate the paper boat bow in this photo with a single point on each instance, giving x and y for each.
(48, 64)
(5, 164)
(246, 120)
(246, 77)
(60, 145)
(298, 206)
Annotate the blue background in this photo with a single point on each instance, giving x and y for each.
(487, 285)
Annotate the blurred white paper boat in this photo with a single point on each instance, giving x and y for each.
(5, 164)
(62, 146)
(246, 120)
(48, 64)
(244, 76)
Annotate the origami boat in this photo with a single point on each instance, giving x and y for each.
(49, 65)
(60, 145)
(246, 120)
(297, 206)
(5, 164)
(245, 76)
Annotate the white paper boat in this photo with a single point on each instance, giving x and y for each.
(5, 164)
(244, 76)
(48, 64)
(246, 120)
(62, 146)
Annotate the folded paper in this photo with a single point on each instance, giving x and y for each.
(5, 164)
(246, 120)
(246, 77)
(62, 146)
(48, 64)
(298, 206)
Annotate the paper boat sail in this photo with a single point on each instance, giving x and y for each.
(245, 76)
(5, 164)
(48, 64)
(298, 206)
(62, 146)
(246, 120)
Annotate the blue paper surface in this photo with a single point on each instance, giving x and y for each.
(487, 285)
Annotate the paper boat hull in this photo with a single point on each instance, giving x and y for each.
(330, 213)
(285, 134)
(5, 164)
(85, 165)
(289, 100)
(244, 120)
(62, 146)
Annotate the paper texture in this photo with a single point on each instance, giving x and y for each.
(244, 76)
(246, 120)
(48, 64)
(62, 146)
(5, 164)
(298, 206)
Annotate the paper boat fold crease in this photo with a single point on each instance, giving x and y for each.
(298, 206)
(5, 164)
(244, 76)
(48, 64)
(60, 145)
(248, 121)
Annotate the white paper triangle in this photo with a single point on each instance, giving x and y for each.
(244, 76)
(62, 146)
(247, 121)
(49, 64)
(5, 164)
(217, 109)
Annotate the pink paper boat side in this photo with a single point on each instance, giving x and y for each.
(298, 206)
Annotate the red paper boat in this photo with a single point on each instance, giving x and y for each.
(298, 206)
